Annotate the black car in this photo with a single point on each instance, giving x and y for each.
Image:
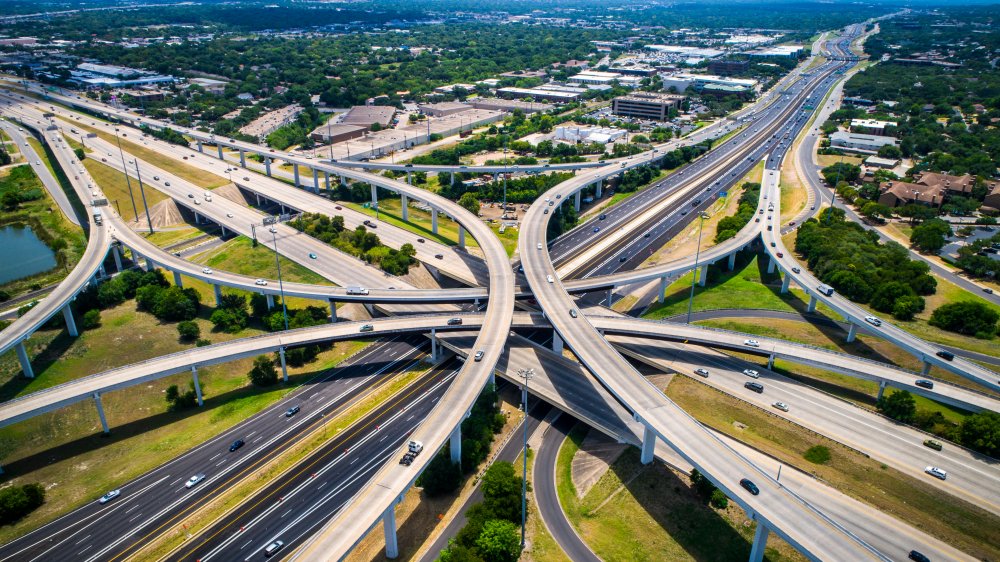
(602, 217)
(291, 411)
(754, 386)
(236, 445)
(749, 486)
(946, 355)
(924, 383)
(918, 556)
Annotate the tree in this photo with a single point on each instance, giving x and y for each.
(981, 431)
(80, 154)
(263, 372)
(502, 492)
(470, 202)
(188, 330)
(499, 541)
(899, 406)
(18, 501)
(718, 499)
(929, 236)
(841, 171)
(441, 476)
(91, 319)
(971, 318)
(890, 151)
(875, 211)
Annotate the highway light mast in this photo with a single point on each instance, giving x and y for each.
(525, 374)
(125, 171)
(694, 272)
(281, 288)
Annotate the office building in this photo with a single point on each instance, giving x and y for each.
(646, 105)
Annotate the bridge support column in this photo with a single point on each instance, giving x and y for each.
(100, 412)
(243, 158)
(315, 180)
(770, 265)
(343, 181)
(389, 526)
(703, 275)
(218, 294)
(326, 176)
(434, 221)
(409, 177)
(224, 233)
(177, 280)
(597, 186)
(852, 333)
(732, 261)
(197, 385)
(370, 308)
(258, 198)
(759, 542)
(200, 147)
(926, 369)
(374, 196)
(812, 304)
(455, 445)
(284, 366)
(197, 218)
(461, 237)
(434, 346)
(70, 323)
(270, 301)
(453, 179)
(282, 208)
(295, 169)
(557, 343)
(22, 357)
(267, 166)
(785, 283)
(648, 445)
(404, 204)
(881, 389)
(492, 382)
(118, 257)
(576, 201)
(770, 362)
(610, 295)
(150, 264)
(221, 156)
(333, 311)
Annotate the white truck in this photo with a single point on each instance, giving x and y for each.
(98, 217)
(357, 291)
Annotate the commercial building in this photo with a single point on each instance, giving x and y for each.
(992, 200)
(576, 134)
(271, 121)
(499, 104)
(143, 96)
(211, 86)
(647, 105)
(332, 134)
(443, 108)
(883, 163)
(681, 81)
(778, 51)
(368, 115)
(538, 94)
(860, 143)
(605, 79)
(450, 88)
(870, 126)
(631, 69)
(728, 67)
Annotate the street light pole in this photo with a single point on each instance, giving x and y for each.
(525, 374)
(142, 192)
(125, 171)
(281, 288)
(694, 272)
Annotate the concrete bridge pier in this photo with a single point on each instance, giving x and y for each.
(221, 155)
(200, 147)
(610, 294)
(770, 362)
(70, 323)
(434, 221)
(282, 208)
(785, 283)
(663, 289)
(576, 201)
(852, 334)
(326, 176)
(461, 237)
(224, 232)
(597, 188)
(100, 412)
(267, 166)
(333, 311)
(295, 169)
(258, 199)
(703, 275)
(557, 343)
(389, 526)
(197, 385)
(759, 542)
(453, 179)
(218, 294)
(150, 264)
(197, 218)
(770, 265)
(455, 445)
(370, 308)
(881, 389)
(434, 346)
(404, 204)
(732, 261)
(648, 445)
(22, 357)
(243, 158)
(315, 180)
(812, 304)
(270, 301)
(343, 181)
(374, 196)
(409, 177)
(284, 366)
(927, 368)
(118, 257)
(177, 280)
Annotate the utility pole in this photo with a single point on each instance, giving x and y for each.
(694, 272)
(525, 374)
(142, 192)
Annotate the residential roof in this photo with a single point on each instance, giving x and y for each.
(963, 183)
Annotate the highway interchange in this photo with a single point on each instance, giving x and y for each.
(811, 530)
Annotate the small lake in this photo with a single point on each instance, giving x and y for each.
(23, 254)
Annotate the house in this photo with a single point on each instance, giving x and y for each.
(899, 193)
(954, 185)
(992, 201)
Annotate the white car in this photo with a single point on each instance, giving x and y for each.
(781, 406)
(109, 496)
(193, 481)
(751, 343)
(751, 373)
(260, 282)
(936, 472)
(549, 279)
(206, 270)
(873, 321)
(272, 229)
(702, 372)
(539, 245)
(229, 215)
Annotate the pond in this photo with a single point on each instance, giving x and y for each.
(24, 254)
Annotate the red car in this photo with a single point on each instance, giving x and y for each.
(780, 255)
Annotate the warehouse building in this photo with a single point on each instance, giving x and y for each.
(332, 134)
(368, 115)
(860, 143)
(499, 104)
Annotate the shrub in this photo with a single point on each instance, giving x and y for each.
(441, 476)
(91, 319)
(971, 318)
(499, 541)
(899, 406)
(719, 500)
(817, 454)
(188, 330)
(178, 401)
(18, 501)
(263, 372)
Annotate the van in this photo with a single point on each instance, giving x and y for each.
(357, 291)
(946, 355)
(924, 383)
(826, 290)
(455, 322)
(273, 548)
(754, 386)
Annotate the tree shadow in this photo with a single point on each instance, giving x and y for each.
(52, 354)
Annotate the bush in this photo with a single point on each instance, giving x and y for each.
(188, 330)
(981, 432)
(499, 541)
(177, 401)
(817, 454)
(91, 319)
(441, 476)
(18, 501)
(971, 318)
(899, 406)
(719, 500)
(263, 372)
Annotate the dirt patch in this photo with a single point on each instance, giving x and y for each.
(233, 193)
(163, 214)
(597, 452)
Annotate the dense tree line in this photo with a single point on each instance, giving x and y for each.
(524, 189)
(360, 242)
(20, 185)
(850, 259)
(971, 318)
(729, 226)
(492, 529)
(979, 432)
(974, 259)
(18, 501)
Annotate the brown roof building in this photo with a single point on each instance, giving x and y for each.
(992, 200)
(957, 185)
(899, 193)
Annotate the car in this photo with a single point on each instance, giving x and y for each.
(918, 556)
(193, 481)
(796, 270)
(780, 255)
(439, 256)
(597, 229)
(936, 472)
(751, 343)
(166, 183)
(291, 411)
(702, 372)
(754, 386)
(645, 235)
(791, 223)
(756, 219)
(421, 240)
(236, 445)
(988, 291)
(873, 321)
(190, 195)
(602, 217)
(454, 321)
(273, 548)
(558, 196)
(932, 444)
(749, 486)
(751, 373)
(549, 279)
(539, 245)
(781, 406)
(924, 383)
(109, 496)
(206, 270)
(367, 328)
(573, 312)
(260, 282)
(246, 178)
(479, 355)
(545, 212)
(339, 208)
(551, 203)
(157, 178)
(946, 355)
(407, 459)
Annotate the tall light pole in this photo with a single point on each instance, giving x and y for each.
(525, 374)
(281, 287)
(694, 272)
(125, 171)
(142, 192)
